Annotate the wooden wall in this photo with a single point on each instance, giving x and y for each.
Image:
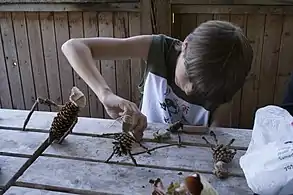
(32, 65)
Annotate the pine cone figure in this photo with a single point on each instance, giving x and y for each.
(123, 144)
(64, 120)
(222, 155)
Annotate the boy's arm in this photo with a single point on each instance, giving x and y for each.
(222, 116)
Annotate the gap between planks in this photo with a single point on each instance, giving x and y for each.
(62, 190)
(41, 121)
(102, 177)
(85, 149)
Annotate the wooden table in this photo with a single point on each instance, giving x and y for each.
(77, 166)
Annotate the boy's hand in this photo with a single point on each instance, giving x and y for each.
(117, 107)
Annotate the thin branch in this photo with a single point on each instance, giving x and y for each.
(155, 148)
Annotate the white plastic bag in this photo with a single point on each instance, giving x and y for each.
(268, 161)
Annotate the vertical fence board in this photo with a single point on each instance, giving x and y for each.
(65, 70)
(24, 61)
(239, 20)
(188, 24)
(285, 60)
(91, 29)
(176, 26)
(270, 55)
(107, 66)
(136, 68)
(10, 54)
(255, 33)
(36, 52)
(222, 17)
(201, 18)
(5, 96)
(123, 79)
(50, 56)
(76, 31)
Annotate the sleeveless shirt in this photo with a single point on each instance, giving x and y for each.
(162, 100)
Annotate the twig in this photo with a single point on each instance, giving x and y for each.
(155, 148)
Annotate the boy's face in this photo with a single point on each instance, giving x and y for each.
(181, 78)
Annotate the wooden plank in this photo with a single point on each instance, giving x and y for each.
(269, 62)
(201, 18)
(223, 17)
(42, 120)
(15, 190)
(9, 166)
(37, 60)
(107, 66)
(176, 26)
(136, 66)
(285, 60)
(50, 57)
(65, 70)
(232, 9)
(91, 29)
(145, 19)
(81, 177)
(11, 58)
(234, 2)
(21, 39)
(5, 95)
(75, 20)
(239, 20)
(123, 79)
(20, 143)
(255, 33)
(162, 14)
(188, 24)
(192, 158)
(69, 7)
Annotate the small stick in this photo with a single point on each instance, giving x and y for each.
(155, 148)
(205, 139)
(110, 156)
(39, 100)
(214, 136)
(132, 158)
(230, 143)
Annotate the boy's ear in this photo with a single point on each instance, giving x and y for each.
(189, 88)
(184, 45)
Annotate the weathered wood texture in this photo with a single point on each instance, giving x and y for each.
(270, 35)
(77, 166)
(32, 64)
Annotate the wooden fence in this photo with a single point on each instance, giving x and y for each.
(32, 65)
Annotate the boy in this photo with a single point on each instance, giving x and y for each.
(192, 81)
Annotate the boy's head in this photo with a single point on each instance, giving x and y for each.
(215, 60)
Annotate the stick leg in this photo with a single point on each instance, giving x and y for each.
(38, 101)
(110, 156)
(132, 158)
(207, 141)
(67, 132)
(214, 136)
(144, 147)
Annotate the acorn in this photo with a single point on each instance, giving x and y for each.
(193, 184)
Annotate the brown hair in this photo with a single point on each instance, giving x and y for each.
(217, 58)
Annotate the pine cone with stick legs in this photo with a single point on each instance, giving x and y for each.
(222, 155)
(67, 115)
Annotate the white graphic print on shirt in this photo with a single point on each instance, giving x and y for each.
(160, 104)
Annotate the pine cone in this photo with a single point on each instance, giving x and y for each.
(63, 121)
